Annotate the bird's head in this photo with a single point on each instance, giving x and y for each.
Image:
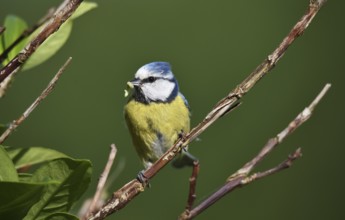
(154, 82)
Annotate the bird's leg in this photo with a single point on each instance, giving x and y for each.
(181, 134)
(143, 179)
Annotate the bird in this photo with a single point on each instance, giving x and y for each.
(157, 114)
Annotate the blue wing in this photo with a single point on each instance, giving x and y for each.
(184, 100)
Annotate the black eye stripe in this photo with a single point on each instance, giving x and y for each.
(152, 79)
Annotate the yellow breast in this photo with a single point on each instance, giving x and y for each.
(155, 127)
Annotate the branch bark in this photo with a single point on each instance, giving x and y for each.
(101, 183)
(61, 15)
(32, 107)
(26, 33)
(192, 188)
(241, 177)
(133, 188)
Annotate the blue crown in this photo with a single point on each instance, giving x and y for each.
(159, 67)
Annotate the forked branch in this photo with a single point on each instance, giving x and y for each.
(242, 176)
(65, 10)
(133, 188)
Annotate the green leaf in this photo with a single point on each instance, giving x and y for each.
(50, 46)
(56, 40)
(17, 198)
(61, 216)
(1, 46)
(24, 177)
(14, 28)
(7, 170)
(68, 180)
(23, 157)
(83, 8)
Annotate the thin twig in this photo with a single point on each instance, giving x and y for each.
(52, 26)
(133, 188)
(192, 187)
(241, 178)
(101, 183)
(4, 85)
(319, 97)
(39, 99)
(301, 118)
(283, 165)
(238, 182)
(26, 33)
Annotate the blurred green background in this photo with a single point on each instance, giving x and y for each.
(212, 46)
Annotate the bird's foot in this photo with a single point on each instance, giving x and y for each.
(143, 179)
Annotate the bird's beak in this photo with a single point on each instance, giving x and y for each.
(135, 82)
(131, 84)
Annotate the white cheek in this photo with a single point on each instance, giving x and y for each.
(159, 90)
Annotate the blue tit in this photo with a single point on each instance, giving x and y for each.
(157, 114)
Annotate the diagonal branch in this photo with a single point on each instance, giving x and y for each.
(241, 178)
(235, 183)
(26, 33)
(101, 183)
(133, 188)
(61, 15)
(39, 99)
(272, 143)
(283, 165)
